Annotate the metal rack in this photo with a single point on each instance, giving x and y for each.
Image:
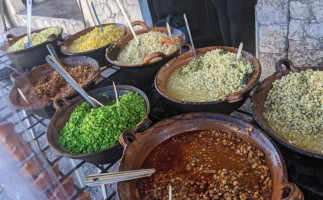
(160, 110)
(36, 127)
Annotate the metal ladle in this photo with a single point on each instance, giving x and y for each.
(59, 68)
(29, 6)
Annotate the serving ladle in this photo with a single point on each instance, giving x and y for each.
(29, 6)
(59, 68)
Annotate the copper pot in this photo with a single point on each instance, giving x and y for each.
(63, 113)
(27, 58)
(227, 104)
(27, 80)
(139, 146)
(146, 70)
(259, 98)
(97, 54)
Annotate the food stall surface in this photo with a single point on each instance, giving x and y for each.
(306, 172)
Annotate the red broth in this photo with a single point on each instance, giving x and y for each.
(206, 165)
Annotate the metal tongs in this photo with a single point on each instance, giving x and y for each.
(108, 178)
(29, 6)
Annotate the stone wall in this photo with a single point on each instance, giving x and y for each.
(38, 22)
(292, 29)
(109, 11)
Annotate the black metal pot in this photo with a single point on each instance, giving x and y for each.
(97, 54)
(63, 112)
(25, 59)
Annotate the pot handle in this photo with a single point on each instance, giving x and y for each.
(51, 38)
(234, 97)
(57, 105)
(288, 63)
(15, 75)
(10, 38)
(126, 137)
(62, 45)
(154, 55)
(185, 45)
(61, 42)
(295, 192)
(138, 23)
(144, 124)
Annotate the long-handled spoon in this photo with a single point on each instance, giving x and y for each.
(116, 93)
(239, 51)
(96, 16)
(52, 52)
(189, 34)
(169, 32)
(59, 68)
(23, 96)
(128, 21)
(114, 177)
(29, 6)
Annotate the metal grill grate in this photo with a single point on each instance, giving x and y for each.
(307, 177)
(36, 127)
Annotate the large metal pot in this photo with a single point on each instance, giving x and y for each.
(63, 113)
(98, 54)
(259, 98)
(26, 81)
(25, 59)
(144, 72)
(227, 104)
(138, 146)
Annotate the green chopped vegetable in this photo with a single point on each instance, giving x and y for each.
(89, 130)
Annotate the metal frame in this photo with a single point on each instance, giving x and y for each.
(156, 115)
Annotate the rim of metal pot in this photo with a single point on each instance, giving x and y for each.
(243, 91)
(32, 47)
(277, 136)
(66, 52)
(80, 99)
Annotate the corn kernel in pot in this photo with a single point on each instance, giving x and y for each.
(96, 39)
